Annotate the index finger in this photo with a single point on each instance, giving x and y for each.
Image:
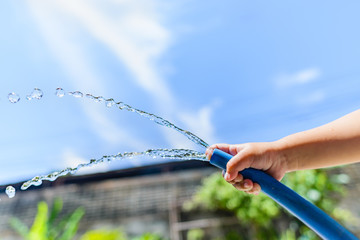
(221, 146)
(225, 147)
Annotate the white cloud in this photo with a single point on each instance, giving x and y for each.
(74, 60)
(200, 122)
(137, 39)
(299, 78)
(135, 32)
(311, 98)
(305, 95)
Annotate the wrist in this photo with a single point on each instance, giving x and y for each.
(285, 155)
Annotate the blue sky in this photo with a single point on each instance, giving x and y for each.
(233, 71)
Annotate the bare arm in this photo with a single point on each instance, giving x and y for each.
(332, 144)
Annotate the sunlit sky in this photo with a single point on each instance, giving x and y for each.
(234, 71)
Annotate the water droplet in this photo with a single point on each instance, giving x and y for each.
(60, 92)
(13, 97)
(95, 99)
(25, 185)
(99, 99)
(52, 176)
(89, 96)
(76, 94)
(107, 159)
(10, 191)
(109, 103)
(184, 154)
(120, 105)
(37, 183)
(37, 93)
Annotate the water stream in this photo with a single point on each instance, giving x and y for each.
(175, 154)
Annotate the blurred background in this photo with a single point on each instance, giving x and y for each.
(231, 72)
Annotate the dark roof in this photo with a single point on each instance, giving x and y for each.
(123, 173)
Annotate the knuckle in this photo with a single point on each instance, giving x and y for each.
(212, 146)
(250, 149)
(239, 178)
(238, 187)
(230, 165)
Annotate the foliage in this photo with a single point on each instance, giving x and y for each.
(104, 235)
(116, 235)
(259, 216)
(148, 236)
(49, 227)
(195, 234)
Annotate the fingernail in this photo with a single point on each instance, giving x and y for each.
(227, 176)
(246, 185)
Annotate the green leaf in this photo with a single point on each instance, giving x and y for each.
(104, 235)
(38, 230)
(56, 209)
(19, 227)
(72, 224)
(148, 236)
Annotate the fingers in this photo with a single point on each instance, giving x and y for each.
(228, 148)
(255, 189)
(221, 146)
(248, 186)
(236, 164)
(238, 179)
(245, 185)
(209, 150)
(242, 157)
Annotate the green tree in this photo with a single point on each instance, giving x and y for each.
(260, 217)
(49, 226)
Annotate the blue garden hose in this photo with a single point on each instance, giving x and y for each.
(309, 214)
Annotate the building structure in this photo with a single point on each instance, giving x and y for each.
(138, 200)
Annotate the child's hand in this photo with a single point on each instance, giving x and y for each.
(332, 144)
(262, 156)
